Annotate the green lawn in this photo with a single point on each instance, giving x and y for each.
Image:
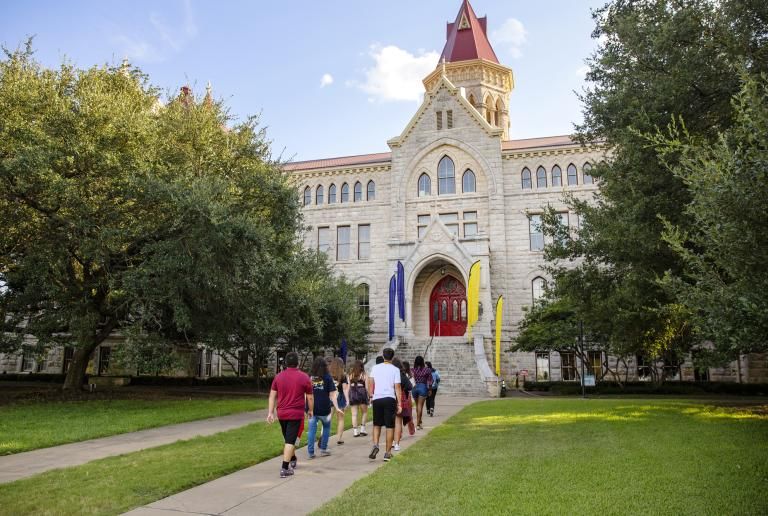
(573, 456)
(117, 484)
(27, 426)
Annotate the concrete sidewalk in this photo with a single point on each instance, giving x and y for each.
(259, 490)
(22, 465)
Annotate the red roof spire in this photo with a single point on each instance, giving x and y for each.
(466, 38)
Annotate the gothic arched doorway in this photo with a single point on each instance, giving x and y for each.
(448, 308)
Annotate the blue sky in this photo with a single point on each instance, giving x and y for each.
(329, 78)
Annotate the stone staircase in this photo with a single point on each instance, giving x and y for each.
(453, 357)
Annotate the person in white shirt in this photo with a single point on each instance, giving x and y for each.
(384, 384)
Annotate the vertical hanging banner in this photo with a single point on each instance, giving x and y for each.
(499, 311)
(392, 291)
(400, 290)
(473, 297)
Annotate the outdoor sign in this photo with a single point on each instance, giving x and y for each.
(589, 380)
(524, 372)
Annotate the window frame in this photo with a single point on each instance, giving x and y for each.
(525, 179)
(574, 176)
(546, 376)
(428, 180)
(343, 245)
(327, 230)
(363, 244)
(358, 192)
(538, 280)
(332, 194)
(468, 175)
(444, 178)
(319, 195)
(370, 191)
(585, 169)
(541, 176)
(307, 196)
(539, 233)
(363, 291)
(559, 176)
(344, 193)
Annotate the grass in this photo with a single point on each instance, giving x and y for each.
(117, 484)
(28, 426)
(572, 456)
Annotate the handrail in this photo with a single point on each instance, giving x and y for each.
(428, 346)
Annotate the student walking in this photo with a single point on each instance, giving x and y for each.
(339, 376)
(435, 385)
(291, 390)
(404, 418)
(358, 397)
(384, 384)
(422, 376)
(324, 391)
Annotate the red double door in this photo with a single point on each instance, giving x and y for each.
(448, 308)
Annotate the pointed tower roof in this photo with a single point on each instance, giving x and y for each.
(466, 38)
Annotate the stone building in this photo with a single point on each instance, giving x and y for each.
(453, 190)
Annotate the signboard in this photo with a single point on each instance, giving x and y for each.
(589, 380)
(524, 372)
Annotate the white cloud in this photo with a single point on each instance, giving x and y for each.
(397, 74)
(326, 80)
(512, 35)
(164, 39)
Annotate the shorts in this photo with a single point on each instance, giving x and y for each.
(384, 410)
(290, 428)
(341, 400)
(420, 391)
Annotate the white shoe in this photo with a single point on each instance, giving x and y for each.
(396, 447)
(355, 432)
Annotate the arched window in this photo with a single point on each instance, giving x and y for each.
(455, 311)
(364, 299)
(319, 195)
(537, 288)
(541, 177)
(488, 104)
(468, 183)
(345, 193)
(573, 177)
(587, 180)
(425, 185)
(499, 109)
(332, 194)
(371, 191)
(526, 178)
(307, 196)
(472, 100)
(557, 176)
(463, 309)
(446, 177)
(358, 191)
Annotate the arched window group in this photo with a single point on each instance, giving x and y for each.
(446, 180)
(555, 177)
(494, 108)
(358, 193)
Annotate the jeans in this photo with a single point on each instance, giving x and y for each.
(326, 421)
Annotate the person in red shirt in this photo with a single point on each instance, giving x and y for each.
(291, 391)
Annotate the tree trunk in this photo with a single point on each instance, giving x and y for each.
(76, 372)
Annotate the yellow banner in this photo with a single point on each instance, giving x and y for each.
(473, 296)
(499, 310)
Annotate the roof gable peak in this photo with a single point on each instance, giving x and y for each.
(466, 37)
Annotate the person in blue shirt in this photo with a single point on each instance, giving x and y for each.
(324, 393)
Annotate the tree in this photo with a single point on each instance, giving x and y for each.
(725, 251)
(124, 214)
(658, 60)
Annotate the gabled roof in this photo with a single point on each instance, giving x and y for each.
(466, 38)
(345, 161)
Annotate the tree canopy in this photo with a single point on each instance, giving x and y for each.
(658, 61)
(124, 212)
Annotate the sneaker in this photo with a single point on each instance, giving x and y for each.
(387, 456)
(355, 433)
(362, 431)
(311, 456)
(325, 453)
(340, 443)
(293, 463)
(396, 447)
(419, 427)
(373, 453)
(285, 473)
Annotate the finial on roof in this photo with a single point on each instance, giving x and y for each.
(442, 65)
(208, 94)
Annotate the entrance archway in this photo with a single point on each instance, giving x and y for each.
(448, 308)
